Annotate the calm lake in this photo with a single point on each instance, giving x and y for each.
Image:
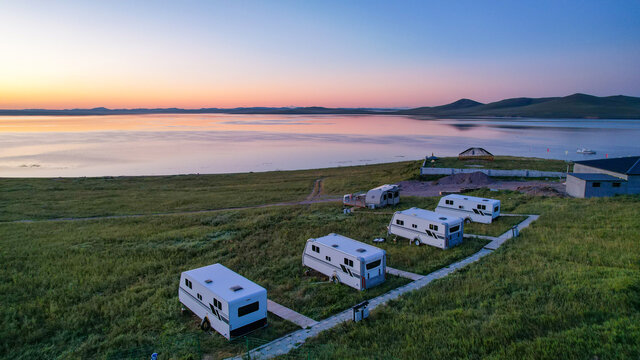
(36, 146)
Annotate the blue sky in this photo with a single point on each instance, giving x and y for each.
(331, 53)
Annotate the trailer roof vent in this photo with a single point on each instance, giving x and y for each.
(361, 250)
(485, 199)
(236, 288)
(208, 281)
(334, 245)
(466, 198)
(442, 218)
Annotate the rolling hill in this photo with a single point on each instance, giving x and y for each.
(577, 106)
(572, 106)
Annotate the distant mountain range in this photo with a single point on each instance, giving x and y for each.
(572, 106)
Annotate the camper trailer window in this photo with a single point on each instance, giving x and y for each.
(482, 207)
(449, 202)
(348, 262)
(248, 309)
(495, 209)
(454, 229)
(188, 283)
(315, 248)
(199, 297)
(328, 258)
(373, 264)
(399, 222)
(596, 184)
(433, 227)
(460, 207)
(615, 184)
(217, 304)
(414, 226)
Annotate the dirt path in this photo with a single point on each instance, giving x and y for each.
(313, 198)
(304, 202)
(316, 191)
(427, 188)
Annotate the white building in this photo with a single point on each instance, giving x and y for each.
(225, 301)
(604, 177)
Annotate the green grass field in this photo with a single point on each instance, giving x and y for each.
(90, 289)
(567, 288)
(504, 163)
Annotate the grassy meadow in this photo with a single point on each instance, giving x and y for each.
(567, 288)
(94, 288)
(505, 163)
(87, 197)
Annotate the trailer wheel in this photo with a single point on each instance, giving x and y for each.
(205, 326)
(416, 242)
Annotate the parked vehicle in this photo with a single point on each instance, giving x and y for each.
(225, 301)
(346, 261)
(375, 198)
(427, 227)
(585, 151)
(470, 208)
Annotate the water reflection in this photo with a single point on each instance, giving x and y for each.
(216, 143)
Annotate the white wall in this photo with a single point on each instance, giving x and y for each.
(492, 172)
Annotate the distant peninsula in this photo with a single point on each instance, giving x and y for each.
(576, 106)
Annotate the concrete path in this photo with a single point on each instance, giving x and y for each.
(468, 236)
(288, 314)
(404, 274)
(295, 339)
(493, 245)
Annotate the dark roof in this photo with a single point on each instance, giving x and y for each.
(595, 177)
(478, 149)
(629, 165)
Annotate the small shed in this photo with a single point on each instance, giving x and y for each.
(429, 159)
(475, 153)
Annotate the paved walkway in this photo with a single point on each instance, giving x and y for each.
(288, 314)
(493, 245)
(468, 236)
(295, 339)
(404, 274)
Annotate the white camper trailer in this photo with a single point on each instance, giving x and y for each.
(427, 227)
(225, 301)
(345, 260)
(375, 198)
(470, 208)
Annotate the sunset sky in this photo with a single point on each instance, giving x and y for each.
(192, 54)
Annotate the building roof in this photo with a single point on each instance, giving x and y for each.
(473, 198)
(431, 216)
(595, 177)
(629, 165)
(350, 246)
(224, 282)
(476, 151)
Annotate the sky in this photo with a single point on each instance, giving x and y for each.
(193, 54)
